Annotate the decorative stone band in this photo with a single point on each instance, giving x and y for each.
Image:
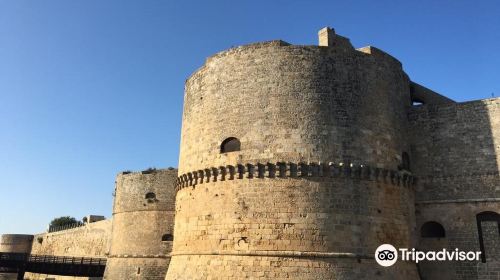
(140, 256)
(433, 178)
(144, 210)
(474, 200)
(279, 253)
(293, 170)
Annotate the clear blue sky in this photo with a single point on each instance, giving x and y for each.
(89, 88)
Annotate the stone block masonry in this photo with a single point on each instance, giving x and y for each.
(313, 179)
(143, 216)
(456, 150)
(297, 162)
(14, 243)
(90, 240)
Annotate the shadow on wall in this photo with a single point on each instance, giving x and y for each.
(455, 154)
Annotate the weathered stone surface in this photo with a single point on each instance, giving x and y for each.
(331, 151)
(143, 216)
(306, 107)
(14, 243)
(90, 240)
(331, 142)
(456, 150)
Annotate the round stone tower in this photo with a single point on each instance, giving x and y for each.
(14, 243)
(142, 230)
(289, 164)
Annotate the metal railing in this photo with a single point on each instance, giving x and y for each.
(65, 260)
(13, 256)
(56, 265)
(65, 227)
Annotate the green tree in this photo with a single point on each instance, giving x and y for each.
(62, 221)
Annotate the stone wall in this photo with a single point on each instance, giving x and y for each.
(330, 158)
(459, 222)
(290, 228)
(456, 150)
(14, 243)
(296, 103)
(421, 94)
(143, 216)
(90, 240)
(293, 106)
(456, 156)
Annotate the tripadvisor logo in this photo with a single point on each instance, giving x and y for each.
(387, 255)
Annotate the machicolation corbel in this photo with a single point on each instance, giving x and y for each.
(294, 170)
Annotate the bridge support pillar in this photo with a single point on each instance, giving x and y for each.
(20, 275)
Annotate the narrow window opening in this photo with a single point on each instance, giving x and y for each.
(151, 197)
(167, 237)
(432, 230)
(231, 144)
(486, 216)
(417, 101)
(405, 161)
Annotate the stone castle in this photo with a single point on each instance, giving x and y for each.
(297, 162)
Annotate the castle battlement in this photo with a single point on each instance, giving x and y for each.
(294, 170)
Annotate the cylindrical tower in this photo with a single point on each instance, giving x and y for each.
(142, 231)
(14, 243)
(288, 164)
